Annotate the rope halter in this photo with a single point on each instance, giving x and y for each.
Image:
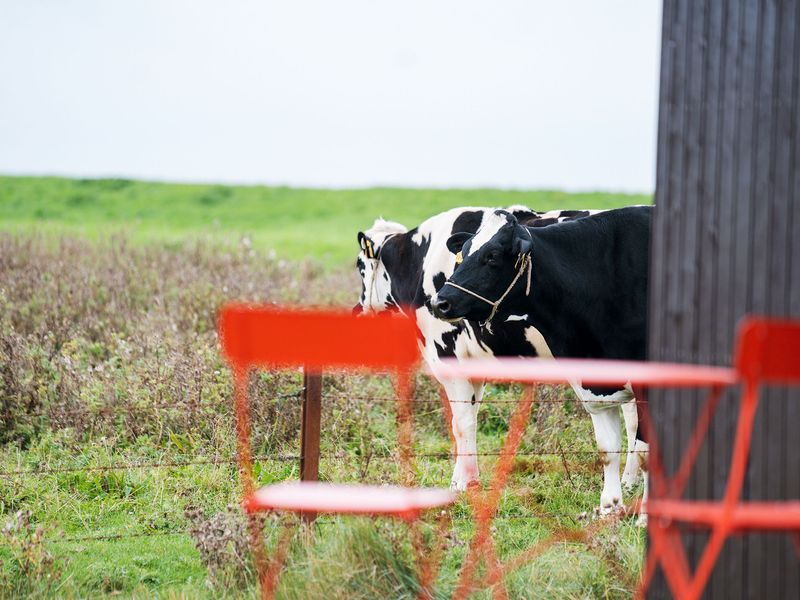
(523, 263)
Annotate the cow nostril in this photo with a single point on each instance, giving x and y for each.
(442, 307)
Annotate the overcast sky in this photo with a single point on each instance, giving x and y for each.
(523, 94)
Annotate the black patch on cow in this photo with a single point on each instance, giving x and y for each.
(507, 339)
(438, 281)
(542, 222)
(402, 258)
(361, 270)
(473, 399)
(525, 216)
(468, 221)
(573, 214)
(448, 346)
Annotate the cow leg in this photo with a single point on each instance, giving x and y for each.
(605, 419)
(464, 402)
(642, 449)
(630, 475)
(641, 455)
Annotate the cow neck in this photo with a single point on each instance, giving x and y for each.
(560, 284)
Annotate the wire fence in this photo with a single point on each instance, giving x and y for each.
(193, 404)
(123, 535)
(54, 470)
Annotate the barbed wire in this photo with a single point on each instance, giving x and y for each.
(390, 399)
(118, 535)
(50, 470)
(140, 408)
(115, 536)
(116, 410)
(143, 465)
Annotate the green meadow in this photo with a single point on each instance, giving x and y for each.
(297, 224)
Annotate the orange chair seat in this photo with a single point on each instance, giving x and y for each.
(312, 496)
(765, 516)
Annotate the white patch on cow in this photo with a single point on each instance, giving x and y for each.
(492, 222)
(438, 259)
(516, 318)
(519, 208)
(557, 214)
(536, 339)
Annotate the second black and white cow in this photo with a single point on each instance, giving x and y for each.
(401, 268)
(581, 289)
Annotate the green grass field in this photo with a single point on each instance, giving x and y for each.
(108, 359)
(296, 223)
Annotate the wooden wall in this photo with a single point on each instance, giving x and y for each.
(726, 242)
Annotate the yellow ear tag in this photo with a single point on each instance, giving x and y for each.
(459, 258)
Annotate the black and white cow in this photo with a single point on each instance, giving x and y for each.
(401, 268)
(579, 290)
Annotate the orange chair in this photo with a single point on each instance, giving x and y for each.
(274, 337)
(768, 353)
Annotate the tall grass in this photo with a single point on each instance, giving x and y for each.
(108, 356)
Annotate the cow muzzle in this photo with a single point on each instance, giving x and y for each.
(443, 309)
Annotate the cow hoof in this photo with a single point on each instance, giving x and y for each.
(609, 509)
(462, 485)
(459, 486)
(463, 477)
(641, 520)
(629, 482)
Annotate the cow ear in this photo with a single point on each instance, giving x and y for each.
(362, 240)
(523, 243)
(457, 241)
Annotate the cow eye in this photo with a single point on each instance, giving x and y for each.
(492, 258)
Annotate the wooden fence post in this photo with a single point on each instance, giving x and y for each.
(310, 430)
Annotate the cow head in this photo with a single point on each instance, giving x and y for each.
(376, 282)
(489, 264)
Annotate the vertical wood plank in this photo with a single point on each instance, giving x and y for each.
(791, 414)
(762, 202)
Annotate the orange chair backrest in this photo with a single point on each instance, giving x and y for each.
(768, 350)
(273, 336)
